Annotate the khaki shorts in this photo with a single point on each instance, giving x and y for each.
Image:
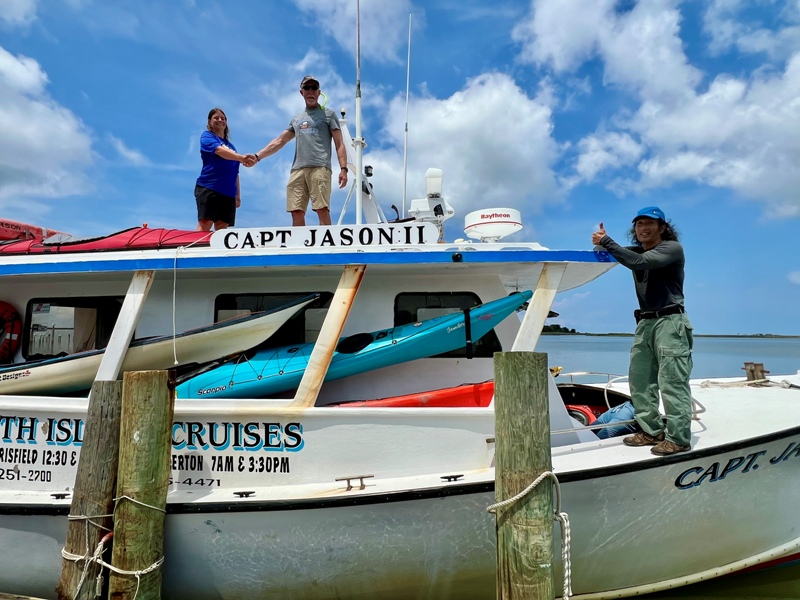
(312, 183)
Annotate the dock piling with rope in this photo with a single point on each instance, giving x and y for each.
(522, 460)
(90, 515)
(142, 482)
(126, 447)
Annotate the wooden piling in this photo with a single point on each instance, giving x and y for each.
(145, 445)
(93, 493)
(522, 453)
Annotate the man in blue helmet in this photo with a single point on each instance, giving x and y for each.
(661, 356)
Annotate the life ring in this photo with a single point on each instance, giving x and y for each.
(10, 332)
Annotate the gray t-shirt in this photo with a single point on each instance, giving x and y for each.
(312, 131)
(657, 273)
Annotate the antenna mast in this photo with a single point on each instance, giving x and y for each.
(405, 141)
(358, 142)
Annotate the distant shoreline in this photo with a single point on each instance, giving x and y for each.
(770, 336)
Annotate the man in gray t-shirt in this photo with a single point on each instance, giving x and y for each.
(310, 177)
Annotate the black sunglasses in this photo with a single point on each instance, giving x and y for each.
(311, 87)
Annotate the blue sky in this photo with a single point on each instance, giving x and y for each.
(572, 111)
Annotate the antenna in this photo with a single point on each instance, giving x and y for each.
(358, 142)
(405, 141)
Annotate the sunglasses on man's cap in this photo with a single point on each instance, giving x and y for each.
(310, 86)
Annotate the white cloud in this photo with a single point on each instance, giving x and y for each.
(490, 155)
(21, 74)
(18, 12)
(562, 33)
(729, 30)
(740, 133)
(794, 277)
(610, 150)
(643, 51)
(641, 48)
(384, 24)
(134, 157)
(45, 151)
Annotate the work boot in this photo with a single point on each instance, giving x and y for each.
(643, 439)
(667, 447)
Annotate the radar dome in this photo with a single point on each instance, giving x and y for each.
(492, 224)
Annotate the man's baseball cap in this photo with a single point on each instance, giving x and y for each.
(650, 212)
(307, 79)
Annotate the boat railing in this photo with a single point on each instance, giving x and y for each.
(592, 428)
(611, 379)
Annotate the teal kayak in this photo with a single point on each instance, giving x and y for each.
(278, 369)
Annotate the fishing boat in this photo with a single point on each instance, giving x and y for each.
(76, 372)
(296, 498)
(273, 370)
(292, 498)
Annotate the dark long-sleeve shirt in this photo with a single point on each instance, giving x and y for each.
(657, 273)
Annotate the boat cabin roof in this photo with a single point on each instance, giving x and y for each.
(518, 265)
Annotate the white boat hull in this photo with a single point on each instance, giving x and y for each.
(639, 523)
(260, 504)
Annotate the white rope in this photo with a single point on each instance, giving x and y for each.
(725, 384)
(561, 517)
(97, 555)
(759, 382)
(178, 251)
(566, 538)
(174, 301)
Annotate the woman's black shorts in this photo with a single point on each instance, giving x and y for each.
(213, 206)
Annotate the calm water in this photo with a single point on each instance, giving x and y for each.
(713, 357)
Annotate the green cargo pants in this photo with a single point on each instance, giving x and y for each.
(661, 359)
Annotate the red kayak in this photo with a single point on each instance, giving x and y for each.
(14, 230)
(469, 395)
(136, 238)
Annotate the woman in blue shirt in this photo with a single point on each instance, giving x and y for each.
(217, 190)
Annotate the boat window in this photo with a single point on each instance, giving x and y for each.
(60, 326)
(410, 307)
(302, 328)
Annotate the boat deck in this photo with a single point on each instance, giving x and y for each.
(721, 424)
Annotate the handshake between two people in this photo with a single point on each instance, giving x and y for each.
(249, 160)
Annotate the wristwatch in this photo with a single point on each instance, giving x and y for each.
(344, 168)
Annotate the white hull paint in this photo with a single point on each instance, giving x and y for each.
(410, 533)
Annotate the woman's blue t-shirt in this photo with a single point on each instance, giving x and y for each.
(218, 174)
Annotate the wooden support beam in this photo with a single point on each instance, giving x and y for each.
(539, 307)
(522, 454)
(147, 410)
(321, 355)
(93, 494)
(125, 326)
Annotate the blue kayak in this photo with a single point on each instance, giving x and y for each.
(278, 369)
